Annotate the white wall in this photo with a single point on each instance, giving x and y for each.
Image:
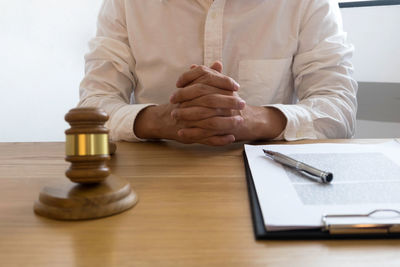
(43, 42)
(375, 33)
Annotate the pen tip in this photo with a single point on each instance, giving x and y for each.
(267, 152)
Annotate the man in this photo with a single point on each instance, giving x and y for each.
(216, 72)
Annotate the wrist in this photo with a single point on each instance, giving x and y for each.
(144, 125)
(277, 122)
(155, 122)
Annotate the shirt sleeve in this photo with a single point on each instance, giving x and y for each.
(109, 79)
(322, 78)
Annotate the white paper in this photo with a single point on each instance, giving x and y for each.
(366, 178)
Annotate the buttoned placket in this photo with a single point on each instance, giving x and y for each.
(213, 31)
(205, 3)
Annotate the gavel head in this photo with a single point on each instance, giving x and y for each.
(87, 145)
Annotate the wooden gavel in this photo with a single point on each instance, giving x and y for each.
(95, 192)
(87, 145)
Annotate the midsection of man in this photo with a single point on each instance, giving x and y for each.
(258, 44)
(279, 52)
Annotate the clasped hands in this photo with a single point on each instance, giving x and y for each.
(207, 106)
(207, 109)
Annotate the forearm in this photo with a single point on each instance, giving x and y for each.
(121, 115)
(322, 72)
(327, 106)
(319, 117)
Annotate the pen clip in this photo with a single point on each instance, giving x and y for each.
(362, 223)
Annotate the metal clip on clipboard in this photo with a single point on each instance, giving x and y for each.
(370, 223)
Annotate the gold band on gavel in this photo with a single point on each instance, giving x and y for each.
(86, 144)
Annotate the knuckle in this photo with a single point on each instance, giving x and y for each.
(176, 114)
(233, 122)
(203, 69)
(233, 83)
(230, 81)
(236, 102)
(236, 99)
(176, 95)
(231, 102)
(207, 77)
(239, 120)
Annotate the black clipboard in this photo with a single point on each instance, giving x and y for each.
(309, 234)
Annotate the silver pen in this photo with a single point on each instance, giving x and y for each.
(309, 171)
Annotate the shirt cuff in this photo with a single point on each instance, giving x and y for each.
(299, 123)
(121, 124)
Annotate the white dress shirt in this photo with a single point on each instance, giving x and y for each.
(289, 54)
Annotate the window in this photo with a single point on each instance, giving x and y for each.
(361, 3)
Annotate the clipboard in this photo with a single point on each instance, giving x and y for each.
(328, 231)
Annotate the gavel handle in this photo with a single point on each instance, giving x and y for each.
(112, 147)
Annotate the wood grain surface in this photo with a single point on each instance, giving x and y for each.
(193, 211)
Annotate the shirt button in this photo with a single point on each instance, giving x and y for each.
(214, 15)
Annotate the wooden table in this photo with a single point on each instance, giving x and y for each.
(193, 210)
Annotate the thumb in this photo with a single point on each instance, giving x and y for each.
(217, 65)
